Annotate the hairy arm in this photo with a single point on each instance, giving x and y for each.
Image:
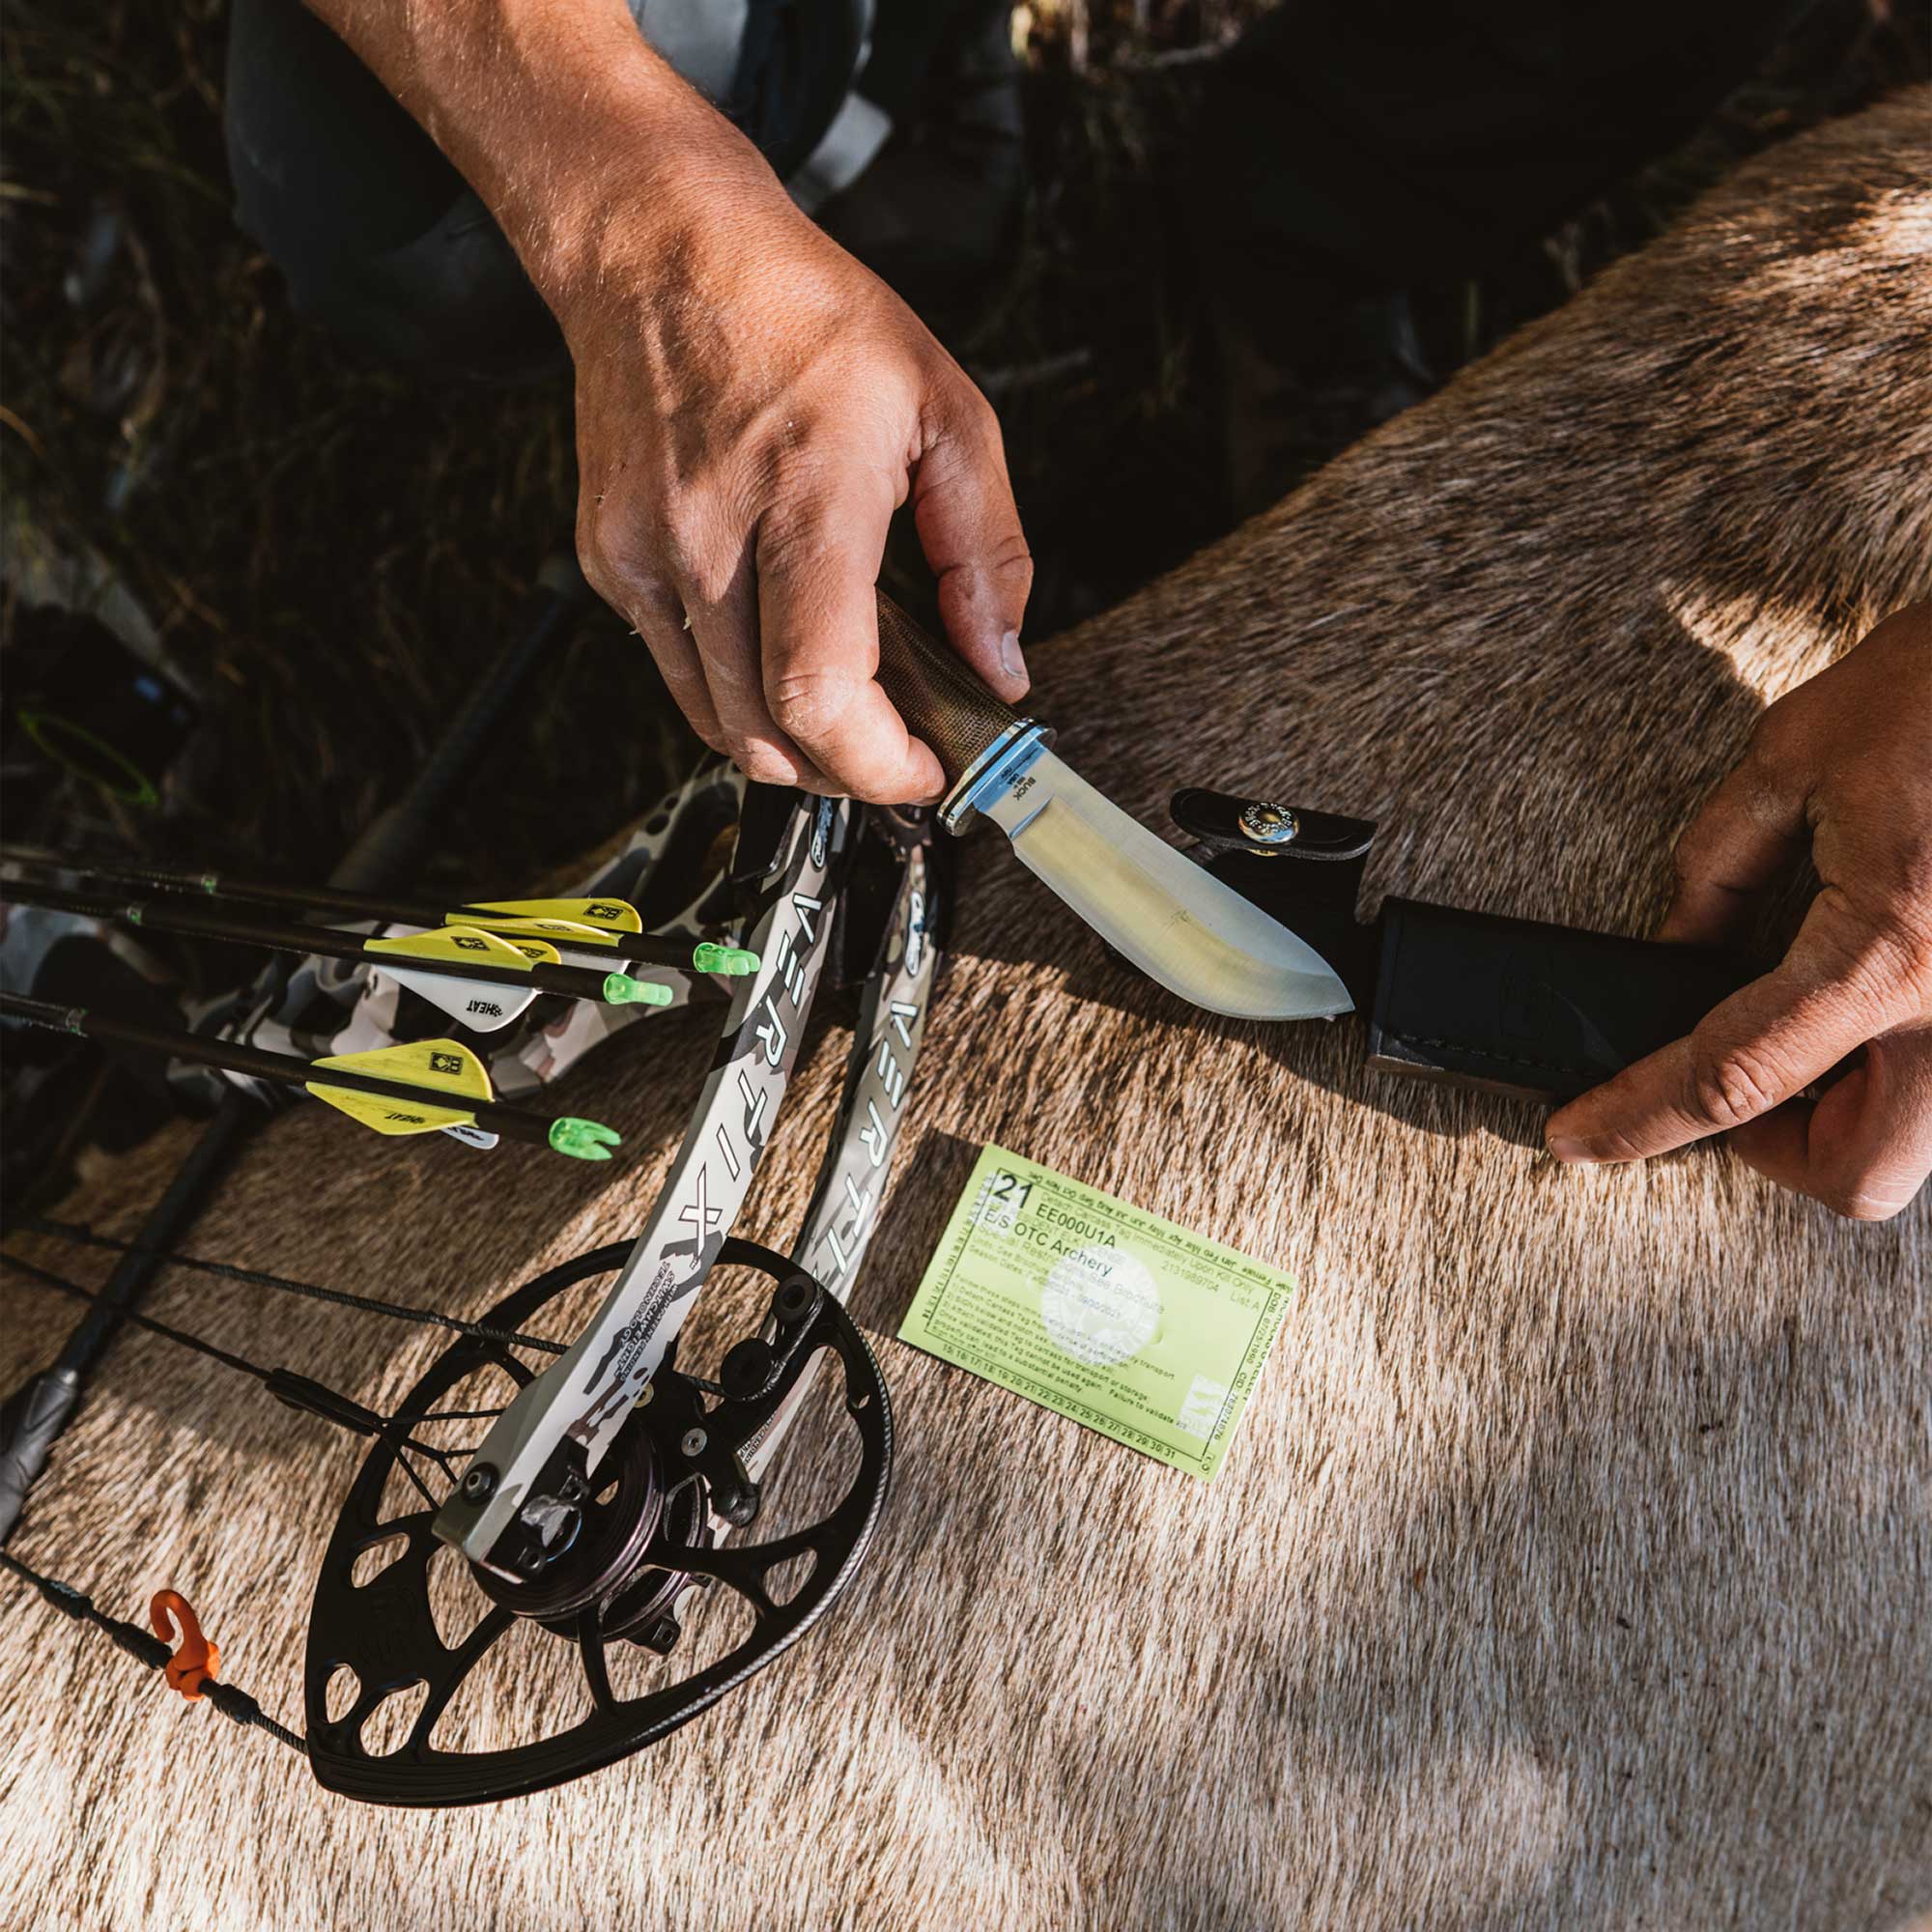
(553, 111)
(751, 404)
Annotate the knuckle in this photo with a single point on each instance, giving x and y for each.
(595, 563)
(1012, 558)
(792, 460)
(1880, 952)
(980, 416)
(786, 546)
(615, 560)
(802, 547)
(689, 539)
(1779, 737)
(805, 704)
(1727, 1089)
(957, 411)
(762, 763)
(681, 522)
(967, 420)
(601, 530)
(1904, 941)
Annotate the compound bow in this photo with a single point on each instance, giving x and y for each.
(610, 1501)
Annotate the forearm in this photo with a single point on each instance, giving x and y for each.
(579, 138)
(751, 404)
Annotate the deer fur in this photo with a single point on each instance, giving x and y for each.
(1571, 1568)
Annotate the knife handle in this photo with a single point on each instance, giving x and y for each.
(939, 697)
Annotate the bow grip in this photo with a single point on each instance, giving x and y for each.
(943, 702)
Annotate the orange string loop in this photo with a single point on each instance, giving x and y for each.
(195, 1659)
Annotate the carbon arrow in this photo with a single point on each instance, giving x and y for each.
(604, 922)
(445, 952)
(421, 1086)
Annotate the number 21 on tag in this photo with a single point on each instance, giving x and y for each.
(1001, 1205)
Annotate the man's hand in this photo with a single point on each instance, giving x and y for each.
(1845, 762)
(752, 407)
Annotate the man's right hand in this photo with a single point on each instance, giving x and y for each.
(751, 404)
(752, 407)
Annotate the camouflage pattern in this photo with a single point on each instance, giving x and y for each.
(582, 1401)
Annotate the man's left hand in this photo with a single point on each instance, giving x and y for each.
(1843, 764)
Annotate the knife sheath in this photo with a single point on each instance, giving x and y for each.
(1515, 1006)
(1472, 999)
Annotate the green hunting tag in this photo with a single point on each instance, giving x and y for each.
(1115, 1318)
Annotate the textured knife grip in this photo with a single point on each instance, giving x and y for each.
(936, 694)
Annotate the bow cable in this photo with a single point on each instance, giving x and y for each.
(286, 1385)
(144, 1648)
(369, 1304)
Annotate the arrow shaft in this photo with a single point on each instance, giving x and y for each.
(577, 982)
(211, 885)
(643, 948)
(283, 1070)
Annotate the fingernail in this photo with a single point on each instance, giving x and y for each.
(1572, 1154)
(1011, 661)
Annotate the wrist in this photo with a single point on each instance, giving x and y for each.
(641, 175)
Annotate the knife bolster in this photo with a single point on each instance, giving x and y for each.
(992, 771)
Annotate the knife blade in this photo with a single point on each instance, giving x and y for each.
(1177, 922)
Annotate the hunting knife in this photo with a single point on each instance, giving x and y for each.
(1151, 902)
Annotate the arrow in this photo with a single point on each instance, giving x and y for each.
(586, 923)
(452, 953)
(393, 1090)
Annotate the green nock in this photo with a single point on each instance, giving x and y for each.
(582, 1140)
(734, 961)
(621, 990)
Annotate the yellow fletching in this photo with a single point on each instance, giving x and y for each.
(566, 931)
(612, 915)
(466, 946)
(446, 1064)
(390, 1117)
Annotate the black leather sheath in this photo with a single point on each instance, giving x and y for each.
(1510, 1004)
(1517, 1007)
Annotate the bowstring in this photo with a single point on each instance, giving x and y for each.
(232, 1701)
(227, 1698)
(199, 1344)
(369, 1304)
(242, 1365)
